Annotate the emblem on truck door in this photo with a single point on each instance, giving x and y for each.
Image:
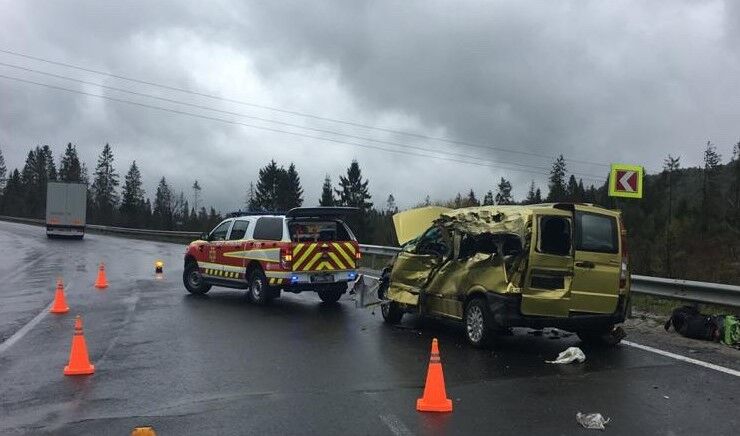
(212, 255)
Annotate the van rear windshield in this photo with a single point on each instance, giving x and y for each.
(596, 233)
(314, 231)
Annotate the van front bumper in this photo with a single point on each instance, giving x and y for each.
(506, 311)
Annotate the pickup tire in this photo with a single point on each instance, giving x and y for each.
(259, 292)
(193, 280)
(478, 323)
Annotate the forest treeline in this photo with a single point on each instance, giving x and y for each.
(687, 225)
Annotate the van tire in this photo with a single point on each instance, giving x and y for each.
(478, 323)
(193, 280)
(392, 312)
(604, 336)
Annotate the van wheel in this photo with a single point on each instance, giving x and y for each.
(391, 312)
(259, 293)
(193, 280)
(604, 336)
(478, 323)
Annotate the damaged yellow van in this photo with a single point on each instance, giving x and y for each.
(556, 265)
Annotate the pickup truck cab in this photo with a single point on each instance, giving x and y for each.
(306, 249)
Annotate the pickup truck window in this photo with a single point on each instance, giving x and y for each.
(269, 229)
(238, 230)
(219, 233)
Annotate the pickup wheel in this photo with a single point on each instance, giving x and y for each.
(392, 312)
(478, 323)
(259, 292)
(193, 280)
(329, 295)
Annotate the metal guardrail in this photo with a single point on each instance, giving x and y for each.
(700, 292)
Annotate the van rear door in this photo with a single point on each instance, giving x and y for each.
(595, 287)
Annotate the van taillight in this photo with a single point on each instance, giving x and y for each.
(624, 264)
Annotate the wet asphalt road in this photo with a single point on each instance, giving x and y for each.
(218, 365)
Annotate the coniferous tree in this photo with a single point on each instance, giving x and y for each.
(558, 191)
(530, 198)
(327, 193)
(503, 195)
(132, 198)
(70, 169)
(3, 172)
(196, 194)
(251, 202)
(471, 200)
(34, 177)
(163, 205)
(268, 184)
(11, 202)
(105, 197)
(538, 196)
(353, 192)
(670, 166)
(711, 211)
(488, 199)
(390, 205)
(733, 213)
(572, 189)
(291, 192)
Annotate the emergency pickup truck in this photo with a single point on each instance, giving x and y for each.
(306, 249)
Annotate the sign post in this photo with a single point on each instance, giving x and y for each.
(626, 181)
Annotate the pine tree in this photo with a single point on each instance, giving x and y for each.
(710, 188)
(471, 200)
(196, 194)
(353, 192)
(268, 184)
(531, 199)
(48, 158)
(572, 189)
(488, 199)
(291, 193)
(503, 196)
(733, 213)
(537, 196)
(34, 176)
(251, 202)
(458, 202)
(390, 204)
(132, 197)
(327, 194)
(11, 202)
(70, 169)
(670, 166)
(104, 186)
(556, 183)
(163, 205)
(3, 172)
(581, 193)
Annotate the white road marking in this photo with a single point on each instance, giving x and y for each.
(395, 425)
(684, 358)
(27, 328)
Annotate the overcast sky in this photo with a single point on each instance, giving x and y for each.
(598, 81)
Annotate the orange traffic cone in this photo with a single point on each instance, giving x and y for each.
(79, 361)
(101, 282)
(435, 397)
(60, 302)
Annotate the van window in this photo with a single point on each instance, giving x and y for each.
(269, 229)
(596, 233)
(238, 230)
(554, 235)
(219, 233)
(317, 231)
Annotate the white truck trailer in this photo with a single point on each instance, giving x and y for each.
(66, 209)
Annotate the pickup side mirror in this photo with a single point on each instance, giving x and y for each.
(204, 236)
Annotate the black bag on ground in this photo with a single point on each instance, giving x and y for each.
(687, 321)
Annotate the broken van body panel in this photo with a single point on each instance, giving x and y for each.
(532, 263)
(410, 224)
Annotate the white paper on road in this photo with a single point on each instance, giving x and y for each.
(570, 355)
(595, 421)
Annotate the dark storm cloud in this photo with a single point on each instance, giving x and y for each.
(596, 81)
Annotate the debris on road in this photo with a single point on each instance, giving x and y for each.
(689, 322)
(570, 355)
(594, 421)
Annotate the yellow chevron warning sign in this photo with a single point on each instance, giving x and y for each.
(625, 181)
